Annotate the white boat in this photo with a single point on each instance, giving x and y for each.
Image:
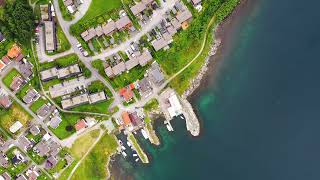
(137, 160)
(120, 142)
(169, 127)
(182, 117)
(123, 148)
(145, 134)
(135, 155)
(124, 154)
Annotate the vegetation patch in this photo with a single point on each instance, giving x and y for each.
(9, 77)
(94, 165)
(15, 113)
(64, 11)
(152, 105)
(100, 107)
(36, 105)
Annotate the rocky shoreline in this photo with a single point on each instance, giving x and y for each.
(195, 83)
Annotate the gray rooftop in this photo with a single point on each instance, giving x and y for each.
(138, 8)
(50, 35)
(123, 22)
(109, 27)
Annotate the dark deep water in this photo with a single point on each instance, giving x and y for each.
(260, 113)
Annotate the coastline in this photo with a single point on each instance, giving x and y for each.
(222, 40)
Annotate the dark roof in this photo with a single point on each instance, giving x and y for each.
(135, 119)
(1, 35)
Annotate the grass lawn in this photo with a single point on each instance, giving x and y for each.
(153, 104)
(9, 116)
(43, 176)
(61, 164)
(100, 107)
(66, 129)
(96, 86)
(9, 77)
(64, 11)
(82, 144)
(65, 174)
(94, 165)
(14, 170)
(61, 62)
(36, 105)
(100, 7)
(125, 78)
(35, 157)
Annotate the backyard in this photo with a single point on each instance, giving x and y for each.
(9, 77)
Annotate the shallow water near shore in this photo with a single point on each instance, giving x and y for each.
(259, 107)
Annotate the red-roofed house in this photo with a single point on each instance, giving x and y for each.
(126, 118)
(14, 52)
(5, 101)
(126, 93)
(131, 86)
(80, 125)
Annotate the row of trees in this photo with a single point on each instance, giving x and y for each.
(17, 22)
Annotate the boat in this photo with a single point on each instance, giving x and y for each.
(182, 117)
(120, 142)
(135, 155)
(123, 148)
(137, 160)
(169, 127)
(145, 134)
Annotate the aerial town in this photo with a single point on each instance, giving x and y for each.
(97, 81)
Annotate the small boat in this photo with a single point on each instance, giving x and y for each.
(124, 154)
(123, 148)
(135, 155)
(182, 117)
(145, 134)
(137, 160)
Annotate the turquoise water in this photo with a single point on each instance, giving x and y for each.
(260, 113)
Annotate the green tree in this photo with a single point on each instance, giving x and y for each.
(18, 21)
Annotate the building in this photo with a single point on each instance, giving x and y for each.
(49, 74)
(75, 101)
(97, 97)
(55, 121)
(42, 148)
(44, 12)
(99, 30)
(6, 59)
(109, 28)
(2, 36)
(25, 69)
(88, 34)
(145, 88)
(138, 8)
(175, 108)
(135, 119)
(67, 87)
(126, 118)
(4, 160)
(80, 125)
(123, 23)
(51, 162)
(16, 83)
(44, 110)
(50, 36)
(5, 101)
(14, 52)
(21, 177)
(31, 96)
(155, 74)
(25, 143)
(126, 94)
(15, 127)
(5, 175)
(34, 130)
(33, 172)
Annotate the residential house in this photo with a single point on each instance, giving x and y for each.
(99, 31)
(42, 148)
(4, 162)
(50, 36)
(21, 177)
(2, 65)
(80, 125)
(5, 101)
(16, 83)
(126, 94)
(138, 8)
(97, 97)
(155, 74)
(135, 119)
(33, 172)
(123, 23)
(31, 96)
(75, 101)
(25, 143)
(2, 36)
(109, 27)
(61, 73)
(145, 88)
(18, 158)
(67, 87)
(25, 69)
(44, 110)
(5, 175)
(51, 162)
(88, 34)
(14, 52)
(125, 118)
(6, 59)
(119, 68)
(34, 130)
(55, 120)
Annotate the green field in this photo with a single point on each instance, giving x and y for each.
(100, 7)
(64, 11)
(94, 165)
(137, 147)
(36, 105)
(66, 129)
(9, 77)
(100, 107)
(153, 104)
